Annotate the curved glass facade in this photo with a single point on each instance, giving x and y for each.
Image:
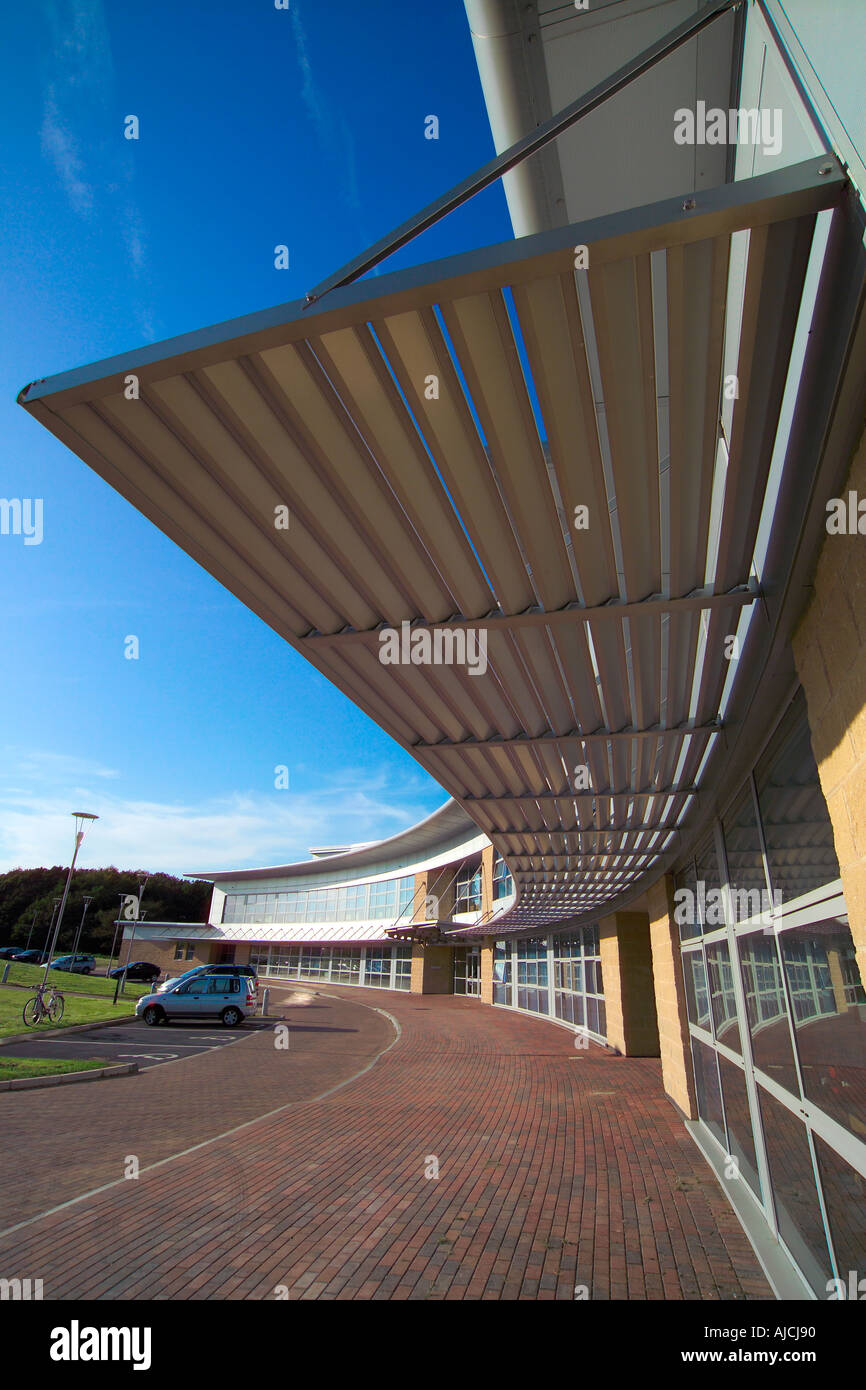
(777, 1009)
(382, 967)
(556, 976)
(386, 900)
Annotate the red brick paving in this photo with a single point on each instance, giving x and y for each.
(557, 1167)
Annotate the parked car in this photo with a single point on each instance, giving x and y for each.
(136, 970)
(31, 957)
(10, 952)
(230, 998)
(246, 970)
(79, 964)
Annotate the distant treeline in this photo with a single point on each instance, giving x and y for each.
(25, 892)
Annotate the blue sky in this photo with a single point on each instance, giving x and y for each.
(257, 127)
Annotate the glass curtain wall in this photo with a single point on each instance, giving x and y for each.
(381, 967)
(387, 900)
(558, 976)
(777, 1010)
(503, 883)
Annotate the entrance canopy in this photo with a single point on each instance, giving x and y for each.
(549, 457)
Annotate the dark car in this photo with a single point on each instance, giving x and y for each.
(31, 957)
(246, 970)
(136, 970)
(10, 952)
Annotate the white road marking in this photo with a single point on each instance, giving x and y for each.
(227, 1133)
(159, 1056)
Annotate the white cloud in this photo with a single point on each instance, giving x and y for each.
(48, 766)
(334, 133)
(80, 134)
(60, 146)
(238, 830)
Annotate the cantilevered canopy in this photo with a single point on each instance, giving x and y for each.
(435, 434)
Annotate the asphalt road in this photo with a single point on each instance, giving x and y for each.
(132, 1042)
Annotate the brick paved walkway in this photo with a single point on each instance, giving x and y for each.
(557, 1167)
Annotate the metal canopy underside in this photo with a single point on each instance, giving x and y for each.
(557, 388)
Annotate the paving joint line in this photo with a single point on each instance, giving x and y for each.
(226, 1134)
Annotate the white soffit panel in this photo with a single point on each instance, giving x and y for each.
(414, 506)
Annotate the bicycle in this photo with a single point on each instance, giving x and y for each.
(47, 1002)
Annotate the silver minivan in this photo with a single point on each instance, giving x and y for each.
(230, 998)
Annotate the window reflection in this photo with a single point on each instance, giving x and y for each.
(577, 979)
(709, 1095)
(697, 992)
(532, 975)
(740, 1140)
(688, 879)
(467, 970)
(722, 998)
(845, 1200)
(707, 873)
(502, 973)
(799, 837)
(767, 1009)
(794, 1191)
(745, 861)
(829, 1018)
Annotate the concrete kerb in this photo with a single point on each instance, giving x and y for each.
(68, 1078)
(63, 1032)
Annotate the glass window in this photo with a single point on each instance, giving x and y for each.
(686, 914)
(707, 1088)
(467, 889)
(502, 973)
(405, 896)
(467, 970)
(767, 1008)
(748, 884)
(402, 966)
(383, 899)
(346, 965)
(799, 837)
(697, 992)
(708, 885)
(739, 1121)
(829, 1022)
(532, 975)
(503, 883)
(389, 898)
(377, 968)
(577, 980)
(845, 1199)
(794, 1191)
(722, 999)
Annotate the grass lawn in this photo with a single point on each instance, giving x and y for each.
(72, 984)
(11, 1068)
(77, 1010)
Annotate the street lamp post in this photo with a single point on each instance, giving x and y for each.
(80, 828)
(121, 984)
(87, 902)
(32, 929)
(54, 906)
(117, 925)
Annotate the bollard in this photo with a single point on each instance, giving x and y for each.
(266, 996)
(6, 969)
